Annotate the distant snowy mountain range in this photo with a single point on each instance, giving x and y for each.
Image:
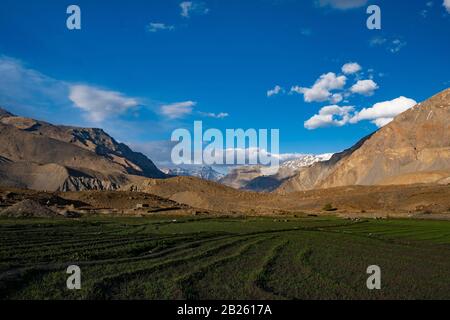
(291, 164)
(199, 171)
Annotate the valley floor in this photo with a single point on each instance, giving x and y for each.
(224, 258)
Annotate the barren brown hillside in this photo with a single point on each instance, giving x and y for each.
(354, 200)
(38, 155)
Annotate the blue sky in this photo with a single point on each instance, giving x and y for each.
(140, 69)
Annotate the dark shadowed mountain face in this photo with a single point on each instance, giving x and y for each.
(414, 148)
(38, 155)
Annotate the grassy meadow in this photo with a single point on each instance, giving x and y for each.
(224, 258)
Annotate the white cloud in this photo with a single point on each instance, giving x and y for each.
(381, 122)
(178, 110)
(191, 7)
(100, 104)
(351, 68)
(330, 116)
(33, 94)
(220, 115)
(321, 90)
(30, 93)
(392, 45)
(275, 91)
(364, 87)
(384, 112)
(336, 98)
(379, 114)
(343, 4)
(377, 41)
(185, 8)
(157, 26)
(447, 5)
(397, 45)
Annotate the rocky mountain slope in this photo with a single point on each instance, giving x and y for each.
(38, 155)
(414, 148)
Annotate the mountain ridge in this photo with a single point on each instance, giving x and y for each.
(40, 155)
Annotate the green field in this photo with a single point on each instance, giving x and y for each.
(226, 258)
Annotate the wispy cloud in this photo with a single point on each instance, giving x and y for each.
(393, 45)
(220, 115)
(397, 45)
(342, 4)
(446, 4)
(188, 8)
(99, 104)
(158, 26)
(377, 41)
(178, 110)
(22, 86)
(424, 13)
(31, 91)
(276, 90)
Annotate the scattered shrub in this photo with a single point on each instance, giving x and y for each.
(328, 207)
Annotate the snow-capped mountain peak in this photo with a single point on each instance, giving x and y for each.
(305, 161)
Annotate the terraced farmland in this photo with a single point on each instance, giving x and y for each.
(224, 258)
